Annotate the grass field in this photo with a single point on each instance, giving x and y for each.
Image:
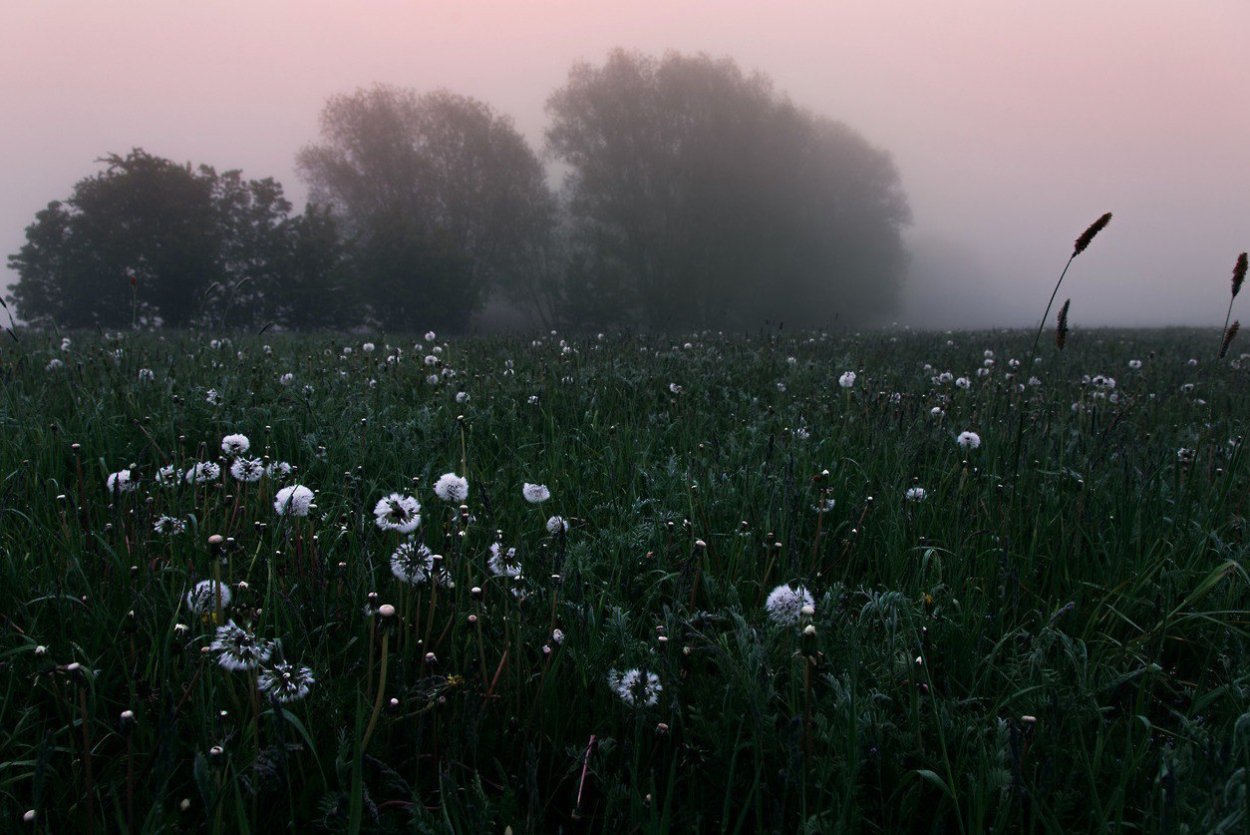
(1050, 634)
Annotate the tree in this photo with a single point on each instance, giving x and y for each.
(437, 170)
(702, 197)
(149, 241)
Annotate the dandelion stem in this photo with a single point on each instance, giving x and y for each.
(377, 702)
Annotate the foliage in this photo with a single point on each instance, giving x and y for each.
(440, 171)
(1060, 650)
(707, 198)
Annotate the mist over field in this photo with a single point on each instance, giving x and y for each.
(1011, 125)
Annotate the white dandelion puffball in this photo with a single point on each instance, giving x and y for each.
(397, 513)
(535, 493)
(239, 650)
(207, 596)
(1134, 364)
(54, 364)
(295, 500)
(916, 494)
(847, 379)
(287, 378)
(462, 397)
(235, 444)
(968, 440)
(503, 563)
(963, 383)
(636, 688)
(212, 398)
(247, 469)
(121, 482)
(452, 488)
(168, 476)
(412, 563)
(368, 347)
(203, 472)
(146, 375)
(785, 604)
(557, 525)
(285, 682)
(169, 525)
(279, 469)
(430, 336)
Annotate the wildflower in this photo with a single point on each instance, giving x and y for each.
(433, 379)
(235, 444)
(1185, 455)
(66, 343)
(430, 336)
(278, 469)
(238, 649)
(295, 500)
(557, 635)
(54, 364)
(936, 412)
(675, 388)
(503, 563)
(167, 476)
(945, 377)
(847, 380)
(451, 488)
(1134, 364)
(212, 397)
(916, 494)
(462, 397)
(785, 604)
(285, 682)
(247, 469)
(120, 482)
(397, 513)
(287, 378)
(535, 493)
(169, 525)
(963, 383)
(413, 563)
(968, 440)
(557, 525)
(146, 375)
(208, 596)
(202, 472)
(636, 688)
(368, 347)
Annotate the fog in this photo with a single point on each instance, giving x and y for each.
(1013, 123)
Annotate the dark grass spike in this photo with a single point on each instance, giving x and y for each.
(1239, 277)
(1229, 335)
(1088, 235)
(1061, 327)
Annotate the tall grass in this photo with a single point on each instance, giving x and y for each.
(1064, 650)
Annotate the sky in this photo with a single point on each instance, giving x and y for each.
(1013, 123)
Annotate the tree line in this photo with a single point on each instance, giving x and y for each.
(693, 195)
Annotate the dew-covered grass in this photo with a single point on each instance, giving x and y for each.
(1049, 635)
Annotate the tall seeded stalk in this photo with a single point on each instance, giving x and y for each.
(1082, 243)
(1061, 325)
(1229, 333)
(1239, 278)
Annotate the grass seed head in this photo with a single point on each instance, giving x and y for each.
(1088, 235)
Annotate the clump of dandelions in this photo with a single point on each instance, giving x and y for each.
(239, 650)
(452, 488)
(785, 604)
(208, 596)
(535, 493)
(295, 500)
(636, 688)
(397, 513)
(285, 682)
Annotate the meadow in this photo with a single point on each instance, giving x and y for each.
(697, 583)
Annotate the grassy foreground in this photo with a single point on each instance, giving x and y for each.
(1049, 635)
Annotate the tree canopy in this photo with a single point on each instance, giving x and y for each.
(694, 195)
(699, 196)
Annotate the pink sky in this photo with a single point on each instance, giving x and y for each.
(1013, 123)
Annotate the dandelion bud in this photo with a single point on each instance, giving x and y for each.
(215, 540)
(808, 610)
(476, 592)
(30, 816)
(1088, 235)
(662, 729)
(1028, 720)
(472, 619)
(809, 631)
(386, 611)
(184, 805)
(216, 752)
(41, 651)
(75, 447)
(431, 658)
(699, 544)
(126, 718)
